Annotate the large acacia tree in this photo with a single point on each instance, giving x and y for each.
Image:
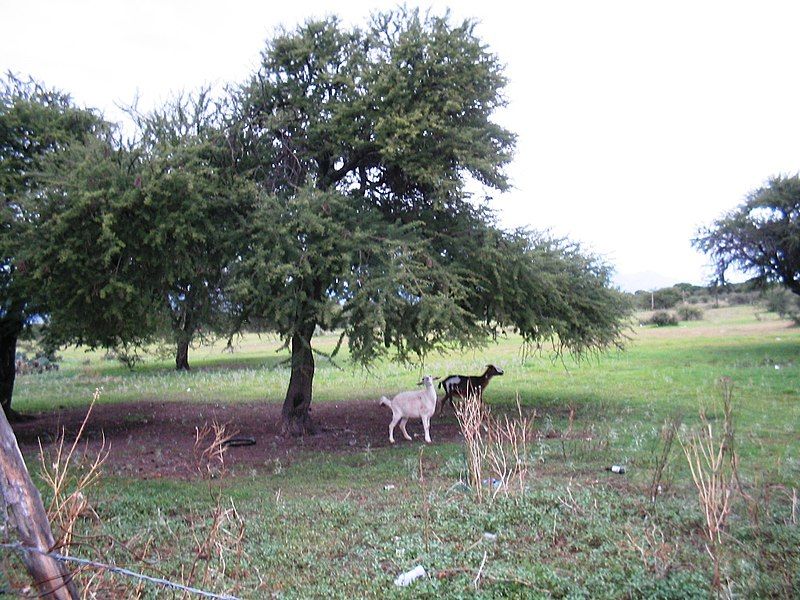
(35, 123)
(363, 142)
(761, 236)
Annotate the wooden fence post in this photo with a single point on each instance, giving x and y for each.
(26, 516)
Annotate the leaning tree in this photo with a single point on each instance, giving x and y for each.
(364, 143)
(761, 236)
(35, 122)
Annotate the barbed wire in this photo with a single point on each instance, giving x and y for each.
(118, 570)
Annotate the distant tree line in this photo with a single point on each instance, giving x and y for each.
(686, 301)
(672, 296)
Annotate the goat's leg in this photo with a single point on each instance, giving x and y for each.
(395, 419)
(403, 422)
(426, 425)
(447, 396)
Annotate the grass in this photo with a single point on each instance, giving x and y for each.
(332, 526)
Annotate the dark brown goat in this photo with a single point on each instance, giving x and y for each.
(464, 385)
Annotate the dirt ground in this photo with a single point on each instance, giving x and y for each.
(151, 440)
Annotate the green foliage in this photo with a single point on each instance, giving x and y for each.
(661, 299)
(329, 192)
(783, 303)
(687, 312)
(195, 210)
(134, 242)
(761, 236)
(663, 318)
(343, 267)
(364, 141)
(86, 249)
(35, 122)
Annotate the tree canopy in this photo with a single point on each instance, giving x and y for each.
(134, 240)
(364, 142)
(761, 236)
(196, 208)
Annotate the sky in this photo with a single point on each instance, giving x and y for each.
(638, 121)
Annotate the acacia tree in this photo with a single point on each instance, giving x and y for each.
(133, 241)
(85, 249)
(362, 142)
(196, 207)
(35, 122)
(761, 236)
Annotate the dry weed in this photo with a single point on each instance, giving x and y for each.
(713, 464)
(68, 475)
(497, 449)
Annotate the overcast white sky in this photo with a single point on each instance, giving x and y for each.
(638, 121)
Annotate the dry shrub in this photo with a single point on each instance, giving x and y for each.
(472, 415)
(214, 543)
(667, 440)
(223, 536)
(713, 465)
(657, 554)
(210, 444)
(69, 474)
(496, 448)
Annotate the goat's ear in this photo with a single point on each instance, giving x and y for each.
(436, 378)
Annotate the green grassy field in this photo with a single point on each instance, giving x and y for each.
(333, 526)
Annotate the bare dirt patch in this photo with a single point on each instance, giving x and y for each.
(151, 440)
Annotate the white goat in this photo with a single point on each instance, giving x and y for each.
(415, 404)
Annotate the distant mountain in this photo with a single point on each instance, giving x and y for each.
(645, 280)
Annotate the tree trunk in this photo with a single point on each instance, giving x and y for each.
(296, 406)
(182, 354)
(183, 327)
(27, 519)
(9, 333)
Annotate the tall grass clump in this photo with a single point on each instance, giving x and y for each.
(497, 449)
(713, 464)
(663, 318)
(689, 312)
(69, 474)
(667, 440)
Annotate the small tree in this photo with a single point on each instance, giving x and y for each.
(196, 209)
(133, 241)
(85, 248)
(761, 236)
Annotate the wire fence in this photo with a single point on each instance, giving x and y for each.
(16, 546)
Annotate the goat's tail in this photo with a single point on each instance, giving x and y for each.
(386, 401)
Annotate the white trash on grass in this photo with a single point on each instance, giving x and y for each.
(405, 579)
